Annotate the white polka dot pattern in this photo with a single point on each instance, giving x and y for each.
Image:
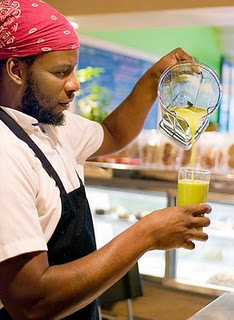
(32, 27)
(32, 30)
(46, 49)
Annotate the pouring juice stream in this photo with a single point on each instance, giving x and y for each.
(191, 191)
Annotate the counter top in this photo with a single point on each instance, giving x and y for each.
(221, 308)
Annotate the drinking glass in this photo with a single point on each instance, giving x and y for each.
(193, 186)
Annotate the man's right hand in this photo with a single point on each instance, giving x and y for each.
(176, 227)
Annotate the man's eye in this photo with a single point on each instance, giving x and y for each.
(60, 73)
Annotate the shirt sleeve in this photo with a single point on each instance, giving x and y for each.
(20, 229)
(85, 136)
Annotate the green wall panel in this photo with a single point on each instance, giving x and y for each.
(201, 42)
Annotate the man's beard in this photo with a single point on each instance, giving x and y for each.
(31, 106)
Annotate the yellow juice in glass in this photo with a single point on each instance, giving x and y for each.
(193, 186)
(191, 191)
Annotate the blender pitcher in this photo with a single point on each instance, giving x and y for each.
(182, 85)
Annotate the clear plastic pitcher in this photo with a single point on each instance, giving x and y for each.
(182, 85)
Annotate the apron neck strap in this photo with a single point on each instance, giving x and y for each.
(21, 134)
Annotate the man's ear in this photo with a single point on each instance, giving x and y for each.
(15, 70)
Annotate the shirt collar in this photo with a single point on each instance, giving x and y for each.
(25, 121)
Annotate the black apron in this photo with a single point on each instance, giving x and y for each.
(73, 237)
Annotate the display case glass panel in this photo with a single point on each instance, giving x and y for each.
(114, 210)
(211, 263)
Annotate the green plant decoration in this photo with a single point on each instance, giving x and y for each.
(93, 100)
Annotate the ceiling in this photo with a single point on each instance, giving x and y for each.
(73, 7)
(100, 15)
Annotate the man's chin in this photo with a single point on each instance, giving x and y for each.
(52, 119)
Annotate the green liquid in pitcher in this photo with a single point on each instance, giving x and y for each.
(193, 116)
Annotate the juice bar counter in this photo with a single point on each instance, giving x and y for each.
(119, 195)
(221, 308)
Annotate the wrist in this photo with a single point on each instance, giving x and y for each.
(142, 235)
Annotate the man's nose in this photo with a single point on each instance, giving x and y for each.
(72, 84)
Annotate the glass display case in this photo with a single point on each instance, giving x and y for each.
(114, 210)
(211, 264)
(118, 201)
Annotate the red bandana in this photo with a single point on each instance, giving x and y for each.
(31, 27)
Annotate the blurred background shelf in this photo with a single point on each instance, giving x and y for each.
(222, 182)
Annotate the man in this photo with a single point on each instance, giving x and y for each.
(49, 265)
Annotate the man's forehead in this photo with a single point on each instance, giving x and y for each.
(60, 57)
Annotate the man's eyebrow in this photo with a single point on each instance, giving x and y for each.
(64, 66)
